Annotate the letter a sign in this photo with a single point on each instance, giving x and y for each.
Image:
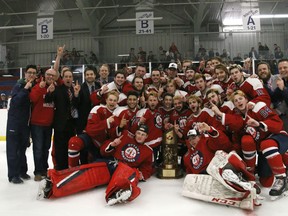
(251, 23)
(144, 24)
(44, 28)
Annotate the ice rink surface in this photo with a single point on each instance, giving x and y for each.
(158, 197)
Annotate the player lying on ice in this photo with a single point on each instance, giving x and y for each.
(130, 162)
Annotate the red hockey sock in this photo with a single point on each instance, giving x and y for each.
(75, 145)
(248, 146)
(270, 150)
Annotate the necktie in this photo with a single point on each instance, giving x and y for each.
(92, 89)
(73, 110)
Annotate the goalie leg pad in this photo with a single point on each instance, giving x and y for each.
(230, 171)
(76, 179)
(124, 178)
(240, 166)
(206, 188)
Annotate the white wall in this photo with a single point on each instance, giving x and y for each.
(3, 121)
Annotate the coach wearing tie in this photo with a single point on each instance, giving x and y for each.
(88, 86)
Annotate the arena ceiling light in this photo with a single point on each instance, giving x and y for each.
(270, 16)
(139, 19)
(16, 27)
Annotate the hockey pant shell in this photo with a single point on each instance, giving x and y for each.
(80, 178)
(124, 177)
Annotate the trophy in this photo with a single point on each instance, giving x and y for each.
(169, 167)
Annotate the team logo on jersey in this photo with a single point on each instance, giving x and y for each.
(182, 121)
(130, 152)
(158, 120)
(196, 160)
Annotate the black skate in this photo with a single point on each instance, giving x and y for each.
(279, 187)
(45, 189)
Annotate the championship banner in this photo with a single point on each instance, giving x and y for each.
(144, 23)
(44, 28)
(251, 23)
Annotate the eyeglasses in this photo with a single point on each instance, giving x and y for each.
(49, 74)
(31, 73)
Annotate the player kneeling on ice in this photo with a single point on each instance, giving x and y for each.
(134, 159)
(228, 183)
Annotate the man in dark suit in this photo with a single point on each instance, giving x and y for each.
(88, 86)
(66, 100)
(104, 75)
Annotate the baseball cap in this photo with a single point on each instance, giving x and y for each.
(173, 65)
(3, 94)
(143, 128)
(192, 132)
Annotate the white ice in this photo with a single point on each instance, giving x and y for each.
(158, 197)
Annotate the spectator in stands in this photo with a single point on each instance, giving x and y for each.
(173, 48)
(141, 55)
(278, 53)
(75, 55)
(93, 58)
(151, 57)
(3, 101)
(253, 53)
(202, 50)
(225, 55)
(18, 132)
(261, 49)
(132, 57)
(211, 53)
(238, 58)
(161, 54)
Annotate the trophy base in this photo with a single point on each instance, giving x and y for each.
(163, 173)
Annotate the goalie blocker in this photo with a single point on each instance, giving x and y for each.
(228, 183)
